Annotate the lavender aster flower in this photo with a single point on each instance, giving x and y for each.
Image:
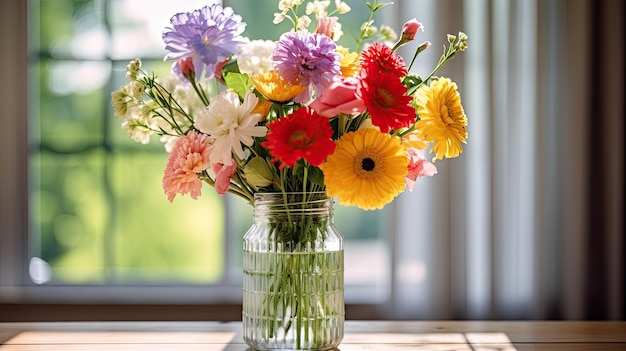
(208, 35)
(307, 59)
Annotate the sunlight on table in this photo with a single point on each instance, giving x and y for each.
(227, 341)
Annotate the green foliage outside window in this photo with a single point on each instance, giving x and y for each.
(98, 214)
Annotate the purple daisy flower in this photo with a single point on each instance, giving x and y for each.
(208, 35)
(307, 59)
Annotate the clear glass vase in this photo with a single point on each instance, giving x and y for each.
(293, 274)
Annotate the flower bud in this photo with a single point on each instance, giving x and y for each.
(222, 176)
(185, 67)
(218, 70)
(135, 89)
(368, 29)
(423, 46)
(132, 68)
(388, 33)
(342, 7)
(462, 44)
(303, 22)
(410, 28)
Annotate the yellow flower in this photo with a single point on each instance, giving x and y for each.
(263, 108)
(442, 119)
(367, 169)
(275, 88)
(349, 63)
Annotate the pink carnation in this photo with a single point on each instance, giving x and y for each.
(189, 157)
(418, 167)
(222, 176)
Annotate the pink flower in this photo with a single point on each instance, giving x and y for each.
(418, 166)
(218, 69)
(339, 97)
(185, 65)
(189, 157)
(410, 28)
(222, 176)
(326, 26)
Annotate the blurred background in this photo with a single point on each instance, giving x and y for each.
(526, 224)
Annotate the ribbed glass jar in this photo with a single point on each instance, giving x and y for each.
(293, 274)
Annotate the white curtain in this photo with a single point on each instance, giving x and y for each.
(527, 223)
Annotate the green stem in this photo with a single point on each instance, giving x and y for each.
(369, 20)
(407, 131)
(449, 54)
(201, 93)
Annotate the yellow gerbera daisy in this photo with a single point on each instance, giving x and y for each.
(275, 88)
(442, 119)
(349, 64)
(367, 169)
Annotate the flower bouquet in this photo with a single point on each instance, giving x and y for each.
(288, 125)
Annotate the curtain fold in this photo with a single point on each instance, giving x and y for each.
(528, 222)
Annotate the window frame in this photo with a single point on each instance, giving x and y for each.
(14, 149)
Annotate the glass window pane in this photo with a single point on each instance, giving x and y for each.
(158, 241)
(69, 28)
(69, 217)
(72, 97)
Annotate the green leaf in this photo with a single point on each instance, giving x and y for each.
(316, 176)
(412, 81)
(258, 173)
(375, 7)
(298, 169)
(230, 67)
(238, 82)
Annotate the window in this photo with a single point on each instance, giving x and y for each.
(97, 216)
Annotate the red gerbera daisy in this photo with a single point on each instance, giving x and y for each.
(379, 57)
(301, 134)
(386, 100)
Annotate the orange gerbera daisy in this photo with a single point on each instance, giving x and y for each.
(275, 88)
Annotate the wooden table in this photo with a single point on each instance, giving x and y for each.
(359, 335)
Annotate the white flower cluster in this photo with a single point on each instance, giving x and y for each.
(319, 8)
(255, 57)
(285, 6)
(141, 117)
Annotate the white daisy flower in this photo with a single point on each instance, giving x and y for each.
(231, 123)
